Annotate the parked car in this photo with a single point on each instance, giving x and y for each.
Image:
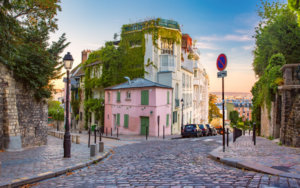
(212, 130)
(204, 129)
(191, 130)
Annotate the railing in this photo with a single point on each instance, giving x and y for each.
(75, 87)
(176, 103)
(167, 63)
(162, 23)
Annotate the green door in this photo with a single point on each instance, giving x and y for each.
(144, 125)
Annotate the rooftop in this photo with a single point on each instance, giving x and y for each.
(137, 83)
(161, 22)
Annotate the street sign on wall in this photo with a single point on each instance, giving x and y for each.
(221, 62)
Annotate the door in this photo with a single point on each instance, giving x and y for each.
(144, 125)
(115, 122)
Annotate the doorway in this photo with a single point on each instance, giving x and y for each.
(144, 125)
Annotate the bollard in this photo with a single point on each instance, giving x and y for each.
(73, 138)
(117, 132)
(89, 137)
(77, 139)
(100, 136)
(234, 131)
(164, 132)
(110, 132)
(254, 132)
(95, 131)
(93, 150)
(146, 133)
(101, 146)
(106, 131)
(227, 136)
(249, 132)
(0, 170)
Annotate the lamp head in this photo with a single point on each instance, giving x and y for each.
(68, 61)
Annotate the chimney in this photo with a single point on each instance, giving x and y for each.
(85, 55)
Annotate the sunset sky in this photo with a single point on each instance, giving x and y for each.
(219, 26)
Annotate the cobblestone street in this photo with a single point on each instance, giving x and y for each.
(169, 163)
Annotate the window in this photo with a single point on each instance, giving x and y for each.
(108, 97)
(166, 47)
(191, 99)
(183, 79)
(135, 43)
(126, 120)
(176, 91)
(187, 100)
(119, 96)
(187, 81)
(168, 97)
(174, 117)
(183, 96)
(80, 116)
(247, 114)
(167, 123)
(118, 119)
(190, 116)
(128, 94)
(145, 97)
(195, 74)
(191, 82)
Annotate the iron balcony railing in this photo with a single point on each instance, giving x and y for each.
(75, 87)
(162, 23)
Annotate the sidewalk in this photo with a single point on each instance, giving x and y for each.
(41, 162)
(266, 156)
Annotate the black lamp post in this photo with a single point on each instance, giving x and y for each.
(298, 73)
(182, 103)
(57, 120)
(102, 104)
(68, 62)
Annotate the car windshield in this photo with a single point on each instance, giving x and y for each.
(190, 126)
(201, 126)
(207, 126)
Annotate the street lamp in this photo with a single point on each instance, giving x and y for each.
(182, 103)
(102, 128)
(57, 120)
(244, 119)
(68, 62)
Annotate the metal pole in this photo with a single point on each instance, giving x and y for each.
(110, 132)
(146, 133)
(95, 135)
(234, 131)
(158, 124)
(249, 132)
(57, 125)
(223, 114)
(182, 118)
(227, 136)
(164, 132)
(89, 137)
(106, 131)
(117, 132)
(67, 136)
(254, 125)
(100, 136)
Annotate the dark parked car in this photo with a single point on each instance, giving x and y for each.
(212, 129)
(191, 130)
(204, 130)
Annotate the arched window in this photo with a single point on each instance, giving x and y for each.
(128, 94)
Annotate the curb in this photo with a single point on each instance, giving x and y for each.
(249, 165)
(51, 174)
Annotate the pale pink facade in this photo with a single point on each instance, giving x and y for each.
(158, 106)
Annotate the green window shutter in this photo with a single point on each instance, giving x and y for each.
(168, 97)
(118, 96)
(126, 120)
(118, 119)
(145, 97)
(167, 120)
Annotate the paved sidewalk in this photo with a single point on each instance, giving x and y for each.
(266, 153)
(41, 159)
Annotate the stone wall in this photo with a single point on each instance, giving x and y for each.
(290, 124)
(23, 120)
(265, 128)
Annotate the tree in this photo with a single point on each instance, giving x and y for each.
(214, 111)
(294, 5)
(234, 116)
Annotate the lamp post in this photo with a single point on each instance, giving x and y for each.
(298, 73)
(57, 120)
(102, 104)
(244, 121)
(182, 103)
(68, 62)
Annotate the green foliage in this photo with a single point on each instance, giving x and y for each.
(77, 117)
(214, 111)
(75, 103)
(234, 116)
(270, 137)
(280, 143)
(294, 5)
(53, 104)
(56, 115)
(24, 32)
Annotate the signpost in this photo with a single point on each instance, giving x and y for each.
(221, 66)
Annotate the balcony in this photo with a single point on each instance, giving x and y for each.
(162, 23)
(176, 103)
(167, 63)
(75, 87)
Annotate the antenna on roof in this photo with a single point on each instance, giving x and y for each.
(128, 79)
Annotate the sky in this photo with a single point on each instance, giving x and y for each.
(219, 27)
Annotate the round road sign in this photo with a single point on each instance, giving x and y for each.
(222, 62)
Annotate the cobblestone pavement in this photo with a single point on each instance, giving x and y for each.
(40, 159)
(172, 163)
(266, 153)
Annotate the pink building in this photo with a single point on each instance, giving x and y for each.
(138, 106)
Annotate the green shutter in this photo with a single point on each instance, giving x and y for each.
(118, 96)
(145, 97)
(118, 119)
(168, 97)
(126, 120)
(167, 120)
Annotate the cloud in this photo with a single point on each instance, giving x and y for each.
(240, 38)
(205, 45)
(248, 47)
